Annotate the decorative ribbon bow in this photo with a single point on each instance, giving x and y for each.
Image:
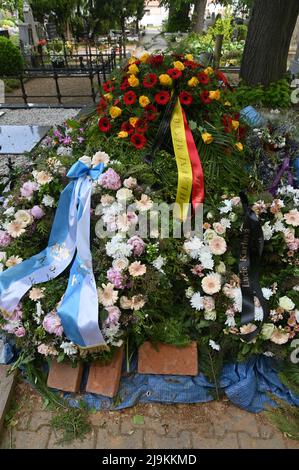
(251, 249)
(69, 242)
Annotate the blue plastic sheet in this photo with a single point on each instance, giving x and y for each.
(7, 352)
(247, 385)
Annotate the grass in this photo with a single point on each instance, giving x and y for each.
(72, 423)
(285, 418)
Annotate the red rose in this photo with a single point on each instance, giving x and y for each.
(174, 73)
(150, 80)
(126, 126)
(104, 124)
(162, 97)
(204, 96)
(185, 98)
(203, 78)
(156, 60)
(124, 84)
(227, 123)
(129, 98)
(138, 140)
(108, 87)
(141, 126)
(151, 112)
(102, 105)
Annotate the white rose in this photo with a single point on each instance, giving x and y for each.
(221, 268)
(267, 330)
(210, 315)
(124, 194)
(85, 160)
(286, 303)
(23, 217)
(232, 217)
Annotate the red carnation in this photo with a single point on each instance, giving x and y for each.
(174, 73)
(150, 80)
(129, 98)
(227, 123)
(126, 126)
(156, 60)
(108, 86)
(141, 126)
(221, 77)
(124, 84)
(151, 112)
(204, 96)
(138, 140)
(203, 78)
(102, 105)
(186, 98)
(104, 124)
(162, 97)
(190, 64)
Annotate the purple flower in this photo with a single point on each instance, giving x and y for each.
(5, 238)
(115, 277)
(113, 315)
(80, 139)
(20, 332)
(37, 212)
(57, 134)
(52, 324)
(137, 244)
(28, 189)
(110, 180)
(67, 141)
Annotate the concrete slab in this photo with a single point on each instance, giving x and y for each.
(20, 139)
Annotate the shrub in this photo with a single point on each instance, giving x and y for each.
(277, 94)
(11, 60)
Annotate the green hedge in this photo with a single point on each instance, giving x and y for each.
(11, 60)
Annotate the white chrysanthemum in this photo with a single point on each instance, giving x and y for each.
(124, 194)
(279, 226)
(230, 321)
(196, 301)
(69, 348)
(48, 201)
(206, 258)
(100, 157)
(193, 246)
(258, 314)
(118, 248)
(267, 231)
(9, 212)
(226, 223)
(158, 263)
(227, 207)
(214, 345)
(267, 293)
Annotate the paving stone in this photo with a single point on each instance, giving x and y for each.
(23, 421)
(63, 376)
(6, 441)
(127, 425)
(105, 440)
(154, 440)
(228, 441)
(249, 442)
(167, 359)
(31, 440)
(106, 420)
(7, 383)
(87, 443)
(39, 419)
(235, 420)
(104, 379)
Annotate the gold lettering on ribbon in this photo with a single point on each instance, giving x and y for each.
(183, 162)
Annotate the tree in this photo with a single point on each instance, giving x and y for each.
(198, 18)
(270, 29)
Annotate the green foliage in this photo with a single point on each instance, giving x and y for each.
(73, 423)
(285, 417)
(289, 376)
(11, 61)
(277, 94)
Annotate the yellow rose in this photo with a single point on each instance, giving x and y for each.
(214, 95)
(207, 138)
(122, 135)
(178, 65)
(165, 79)
(189, 57)
(209, 71)
(115, 111)
(133, 69)
(132, 60)
(227, 103)
(133, 121)
(144, 101)
(108, 96)
(235, 124)
(193, 82)
(144, 58)
(239, 146)
(133, 81)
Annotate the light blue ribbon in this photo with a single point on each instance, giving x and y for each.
(69, 242)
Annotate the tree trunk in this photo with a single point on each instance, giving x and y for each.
(198, 18)
(268, 40)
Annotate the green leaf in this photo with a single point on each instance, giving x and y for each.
(138, 419)
(192, 125)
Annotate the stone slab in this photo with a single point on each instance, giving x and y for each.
(64, 377)
(7, 383)
(104, 379)
(20, 139)
(167, 359)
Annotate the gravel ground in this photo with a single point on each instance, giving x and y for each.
(41, 117)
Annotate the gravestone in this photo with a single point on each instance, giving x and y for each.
(52, 31)
(28, 19)
(16, 140)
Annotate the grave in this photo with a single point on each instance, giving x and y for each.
(20, 139)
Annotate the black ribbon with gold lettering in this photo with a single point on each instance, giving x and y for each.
(251, 250)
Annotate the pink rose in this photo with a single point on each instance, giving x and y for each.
(28, 189)
(113, 315)
(5, 238)
(110, 180)
(137, 244)
(115, 277)
(20, 332)
(37, 212)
